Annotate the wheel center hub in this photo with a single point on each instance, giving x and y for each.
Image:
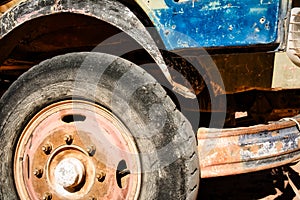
(69, 173)
(76, 150)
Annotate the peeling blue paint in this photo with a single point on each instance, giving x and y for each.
(218, 23)
(269, 143)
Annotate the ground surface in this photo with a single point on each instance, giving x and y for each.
(268, 184)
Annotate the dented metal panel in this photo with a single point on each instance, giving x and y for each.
(205, 23)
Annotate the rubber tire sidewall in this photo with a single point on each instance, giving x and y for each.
(170, 170)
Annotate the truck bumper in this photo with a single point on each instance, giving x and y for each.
(225, 152)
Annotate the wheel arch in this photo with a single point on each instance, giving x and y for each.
(111, 12)
(128, 18)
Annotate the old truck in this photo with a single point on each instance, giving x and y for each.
(139, 99)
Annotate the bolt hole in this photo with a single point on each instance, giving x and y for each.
(262, 20)
(73, 118)
(267, 26)
(121, 172)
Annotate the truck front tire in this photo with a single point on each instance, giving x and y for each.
(75, 125)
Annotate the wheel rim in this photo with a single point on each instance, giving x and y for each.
(74, 150)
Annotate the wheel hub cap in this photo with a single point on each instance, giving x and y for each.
(69, 173)
(74, 150)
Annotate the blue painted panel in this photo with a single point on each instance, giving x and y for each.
(204, 23)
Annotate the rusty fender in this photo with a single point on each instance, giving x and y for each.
(241, 150)
(110, 11)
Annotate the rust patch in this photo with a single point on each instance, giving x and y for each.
(279, 146)
(8, 5)
(242, 150)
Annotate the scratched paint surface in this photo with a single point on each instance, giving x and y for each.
(267, 144)
(206, 23)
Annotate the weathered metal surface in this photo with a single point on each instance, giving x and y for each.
(111, 12)
(241, 150)
(189, 23)
(234, 69)
(73, 150)
(286, 74)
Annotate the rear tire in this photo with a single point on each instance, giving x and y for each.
(164, 139)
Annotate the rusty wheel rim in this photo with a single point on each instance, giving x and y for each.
(76, 150)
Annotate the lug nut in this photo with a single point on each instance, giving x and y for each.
(38, 173)
(101, 176)
(47, 196)
(91, 150)
(68, 139)
(47, 148)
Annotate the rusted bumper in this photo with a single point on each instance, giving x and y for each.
(242, 150)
